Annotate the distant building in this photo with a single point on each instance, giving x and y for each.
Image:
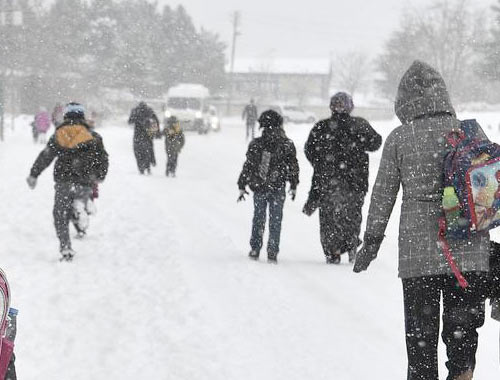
(289, 80)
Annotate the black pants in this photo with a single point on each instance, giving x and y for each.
(463, 313)
(65, 195)
(340, 221)
(172, 162)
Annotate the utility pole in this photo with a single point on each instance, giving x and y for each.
(1, 107)
(236, 23)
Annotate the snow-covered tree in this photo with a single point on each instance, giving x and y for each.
(446, 35)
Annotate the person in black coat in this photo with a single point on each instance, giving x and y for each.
(336, 148)
(146, 125)
(174, 142)
(250, 114)
(81, 162)
(271, 162)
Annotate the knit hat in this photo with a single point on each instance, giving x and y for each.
(270, 119)
(341, 102)
(74, 111)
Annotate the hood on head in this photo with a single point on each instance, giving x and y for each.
(421, 92)
(341, 103)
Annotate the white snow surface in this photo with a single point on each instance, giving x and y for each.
(161, 288)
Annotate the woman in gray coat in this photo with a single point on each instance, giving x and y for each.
(413, 158)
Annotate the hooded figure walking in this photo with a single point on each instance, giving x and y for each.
(250, 115)
(336, 148)
(146, 126)
(271, 162)
(174, 142)
(81, 162)
(413, 159)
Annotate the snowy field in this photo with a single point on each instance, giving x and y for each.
(162, 288)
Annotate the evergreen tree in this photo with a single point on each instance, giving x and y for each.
(73, 49)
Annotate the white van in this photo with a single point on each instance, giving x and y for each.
(188, 102)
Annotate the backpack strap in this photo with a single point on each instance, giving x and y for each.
(443, 243)
(470, 128)
(468, 131)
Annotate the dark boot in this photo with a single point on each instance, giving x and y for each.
(254, 255)
(67, 254)
(272, 258)
(333, 258)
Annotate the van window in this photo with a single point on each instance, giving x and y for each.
(184, 103)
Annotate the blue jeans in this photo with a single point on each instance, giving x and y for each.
(275, 199)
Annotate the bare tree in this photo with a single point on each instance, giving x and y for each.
(350, 71)
(445, 35)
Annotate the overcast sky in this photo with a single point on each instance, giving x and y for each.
(304, 29)
(307, 28)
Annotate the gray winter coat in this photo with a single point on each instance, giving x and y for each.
(413, 157)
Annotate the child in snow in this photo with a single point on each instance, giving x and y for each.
(57, 114)
(42, 124)
(271, 162)
(174, 142)
(81, 161)
(34, 131)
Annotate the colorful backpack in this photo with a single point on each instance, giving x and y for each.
(472, 170)
(6, 346)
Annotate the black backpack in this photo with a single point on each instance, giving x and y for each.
(269, 168)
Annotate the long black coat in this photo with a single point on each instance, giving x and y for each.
(80, 153)
(271, 162)
(143, 118)
(336, 148)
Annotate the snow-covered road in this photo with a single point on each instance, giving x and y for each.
(161, 288)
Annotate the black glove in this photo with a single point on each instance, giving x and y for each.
(243, 192)
(368, 253)
(31, 182)
(309, 207)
